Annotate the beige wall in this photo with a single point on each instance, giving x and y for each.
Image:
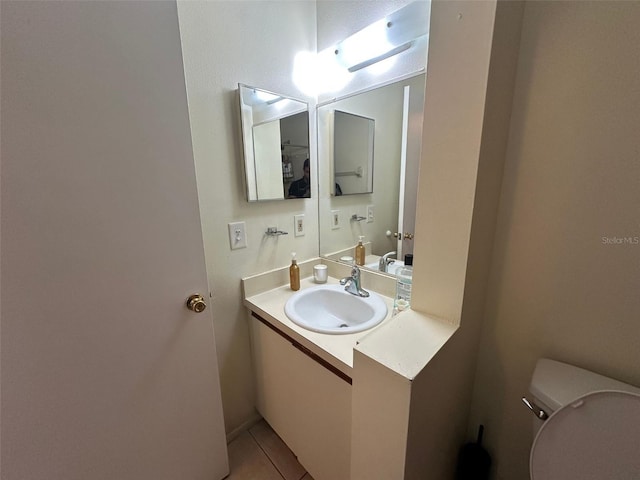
(571, 177)
(465, 125)
(254, 43)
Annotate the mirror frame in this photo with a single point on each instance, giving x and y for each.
(368, 150)
(327, 206)
(248, 138)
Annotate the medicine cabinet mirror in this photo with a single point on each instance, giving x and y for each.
(353, 137)
(385, 214)
(275, 137)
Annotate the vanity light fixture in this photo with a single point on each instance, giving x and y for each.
(331, 69)
(379, 58)
(275, 100)
(390, 36)
(263, 96)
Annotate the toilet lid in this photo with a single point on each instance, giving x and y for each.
(595, 437)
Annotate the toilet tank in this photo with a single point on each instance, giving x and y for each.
(555, 384)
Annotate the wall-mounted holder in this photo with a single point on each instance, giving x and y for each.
(357, 218)
(274, 232)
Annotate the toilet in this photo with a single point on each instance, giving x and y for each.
(586, 426)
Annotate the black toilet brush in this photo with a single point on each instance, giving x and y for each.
(474, 461)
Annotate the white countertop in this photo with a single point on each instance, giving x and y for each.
(339, 347)
(404, 343)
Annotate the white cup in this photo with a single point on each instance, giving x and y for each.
(347, 259)
(320, 273)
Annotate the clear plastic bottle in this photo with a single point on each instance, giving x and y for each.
(403, 285)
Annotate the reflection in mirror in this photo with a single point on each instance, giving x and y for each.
(352, 153)
(275, 137)
(397, 112)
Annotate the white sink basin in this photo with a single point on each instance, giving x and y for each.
(329, 309)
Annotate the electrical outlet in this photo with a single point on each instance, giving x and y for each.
(298, 225)
(370, 213)
(335, 219)
(237, 235)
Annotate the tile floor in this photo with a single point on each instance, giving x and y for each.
(259, 454)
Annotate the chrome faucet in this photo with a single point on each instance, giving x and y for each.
(352, 283)
(385, 260)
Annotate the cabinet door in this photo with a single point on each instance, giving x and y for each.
(306, 404)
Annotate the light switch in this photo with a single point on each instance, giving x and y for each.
(237, 235)
(335, 219)
(298, 225)
(370, 213)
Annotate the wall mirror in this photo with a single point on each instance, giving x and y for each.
(353, 138)
(386, 215)
(275, 138)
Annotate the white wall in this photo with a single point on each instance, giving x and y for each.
(253, 43)
(571, 178)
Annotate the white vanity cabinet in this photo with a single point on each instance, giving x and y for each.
(306, 403)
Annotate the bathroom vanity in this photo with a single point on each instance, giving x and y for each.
(306, 403)
(322, 392)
